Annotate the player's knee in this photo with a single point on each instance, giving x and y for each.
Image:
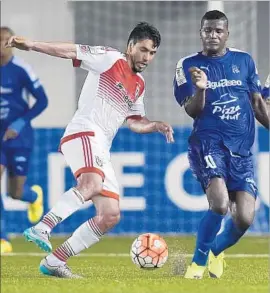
(110, 218)
(244, 221)
(220, 206)
(89, 187)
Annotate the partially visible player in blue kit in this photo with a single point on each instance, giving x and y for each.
(220, 89)
(266, 91)
(18, 81)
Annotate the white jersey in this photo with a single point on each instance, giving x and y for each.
(111, 93)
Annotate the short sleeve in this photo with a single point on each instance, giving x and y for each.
(253, 80)
(93, 58)
(182, 84)
(138, 109)
(266, 89)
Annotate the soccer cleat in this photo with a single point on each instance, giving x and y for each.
(194, 271)
(39, 237)
(6, 246)
(62, 271)
(36, 209)
(216, 265)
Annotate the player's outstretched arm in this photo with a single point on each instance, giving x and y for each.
(141, 124)
(260, 110)
(195, 104)
(62, 50)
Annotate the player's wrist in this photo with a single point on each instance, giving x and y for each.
(31, 45)
(200, 89)
(155, 126)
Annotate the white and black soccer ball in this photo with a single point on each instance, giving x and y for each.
(149, 251)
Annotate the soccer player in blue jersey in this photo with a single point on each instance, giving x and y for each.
(220, 89)
(16, 132)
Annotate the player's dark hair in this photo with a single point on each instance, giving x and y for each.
(143, 31)
(214, 14)
(7, 29)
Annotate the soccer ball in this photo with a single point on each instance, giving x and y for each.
(149, 251)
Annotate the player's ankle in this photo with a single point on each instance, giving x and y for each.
(54, 261)
(43, 227)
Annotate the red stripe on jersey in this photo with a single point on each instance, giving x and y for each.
(120, 72)
(85, 154)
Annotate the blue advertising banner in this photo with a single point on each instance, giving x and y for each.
(158, 191)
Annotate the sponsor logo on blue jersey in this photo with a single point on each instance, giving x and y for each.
(223, 83)
(225, 111)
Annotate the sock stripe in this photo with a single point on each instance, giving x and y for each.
(68, 246)
(48, 222)
(56, 218)
(60, 254)
(94, 227)
(51, 220)
(64, 251)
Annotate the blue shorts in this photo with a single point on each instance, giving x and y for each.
(210, 158)
(16, 160)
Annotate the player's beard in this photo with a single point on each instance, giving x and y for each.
(137, 68)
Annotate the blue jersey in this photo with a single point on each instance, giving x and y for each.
(17, 82)
(266, 89)
(228, 115)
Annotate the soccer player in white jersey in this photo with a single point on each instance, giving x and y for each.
(113, 92)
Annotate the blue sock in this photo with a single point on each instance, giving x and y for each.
(227, 238)
(28, 194)
(3, 233)
(208, 229)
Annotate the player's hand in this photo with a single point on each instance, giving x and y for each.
(198, 78)
(166, 129)
(10, 134)
(19, 43)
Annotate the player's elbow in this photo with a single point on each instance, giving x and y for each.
(257, 101)
(42, 98)
(134, 123)
(193, 112)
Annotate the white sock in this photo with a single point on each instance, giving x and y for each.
(67, 204)
(83, 237)
(54, 261)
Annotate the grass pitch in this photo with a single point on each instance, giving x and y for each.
(107, 268)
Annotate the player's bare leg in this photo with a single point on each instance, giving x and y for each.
(218, 199)
(242, 214)
(243, 210)
(88, 234)
(88, 185)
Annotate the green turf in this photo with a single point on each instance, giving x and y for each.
(118, 274)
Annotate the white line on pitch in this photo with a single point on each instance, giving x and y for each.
(243, 255)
